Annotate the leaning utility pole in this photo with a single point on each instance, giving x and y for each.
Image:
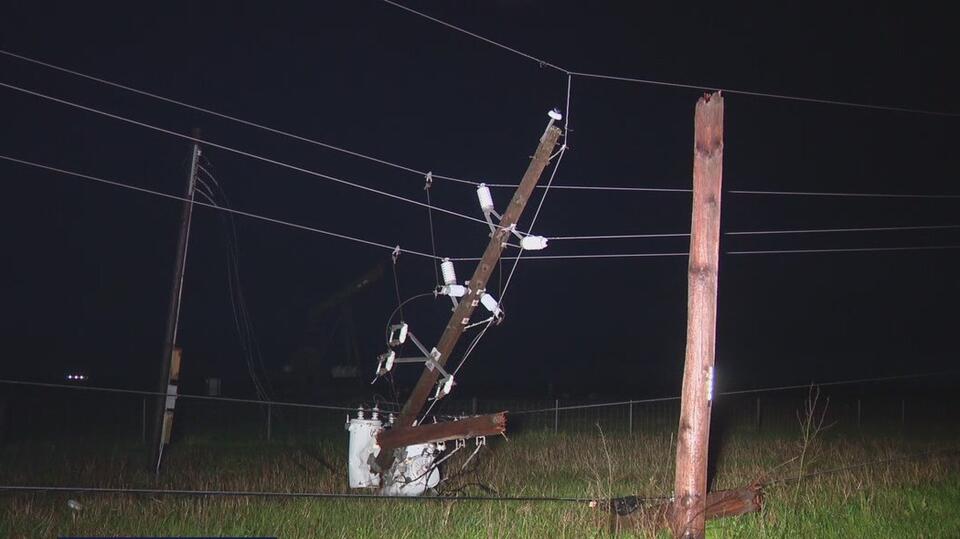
(477, 284)
(167, 385)
(690, 487)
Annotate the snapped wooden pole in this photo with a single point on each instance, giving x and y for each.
(690, 487)
(477, 284)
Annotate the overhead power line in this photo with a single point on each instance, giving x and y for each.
(834, 194)
(413, 170)
(753, 252)
(845, 250)
(653, 82)
(221, 115)
(757, 232)
(212, 206)
(239, 152)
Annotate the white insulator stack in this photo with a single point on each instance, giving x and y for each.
(449, 274)
(485, 198)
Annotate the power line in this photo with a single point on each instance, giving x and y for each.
(211, 206)
(239, 152)
(752, 93)
(543, 63)
(846, 250)
(757, 232)
(225, 116)
(753, 252)
(653, 82)
(411, 169)
(828, 230)
(829, 194)
(583, 256)
(274, 494)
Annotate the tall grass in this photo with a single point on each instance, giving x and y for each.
(905, 498)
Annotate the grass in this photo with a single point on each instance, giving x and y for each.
(904, 498)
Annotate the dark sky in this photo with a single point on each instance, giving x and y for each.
(87, 266)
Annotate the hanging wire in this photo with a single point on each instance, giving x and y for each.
(428, 184)
(241, 313)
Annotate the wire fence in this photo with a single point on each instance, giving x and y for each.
(39, 411)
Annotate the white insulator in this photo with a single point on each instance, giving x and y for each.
(490, 303)
(533, 243)
(485, 198)
(449, 274)
(454, 290)
(555, 115)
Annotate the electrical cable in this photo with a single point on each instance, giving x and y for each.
(236, 151)
(241, 313)
(433, 240)
(840, 194)
(273, 494)
(223, 116)
(757, 232)
(699, 87)
(211, 206)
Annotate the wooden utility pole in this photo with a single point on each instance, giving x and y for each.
(690, 487)
(160, 437)
(477, 284)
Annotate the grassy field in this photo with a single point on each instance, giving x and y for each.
(900, 498)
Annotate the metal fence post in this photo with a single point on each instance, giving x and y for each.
(858, 413)
(269, 422)
(143, 420)
(758, 414)
(556, 415)
(630, 417)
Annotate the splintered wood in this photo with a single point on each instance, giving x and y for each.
(470, 427)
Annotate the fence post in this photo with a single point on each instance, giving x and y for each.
(630, 417)
(556, 415)
(903, 413)
(758, 414)
(474, 405)
(269, 422)
(858, 413)
(143, 420)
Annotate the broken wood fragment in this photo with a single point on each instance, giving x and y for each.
(470, 427)
(631, 512)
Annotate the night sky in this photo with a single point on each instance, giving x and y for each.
(87, 267)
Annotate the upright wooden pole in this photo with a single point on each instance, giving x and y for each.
(690, 487)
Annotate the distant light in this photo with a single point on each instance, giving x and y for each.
(76, 377)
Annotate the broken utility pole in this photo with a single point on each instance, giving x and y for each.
(476, 285)
(163, 423)
(690, 488)
(470, 427)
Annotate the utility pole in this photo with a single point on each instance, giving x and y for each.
(690, 488)
(162, 424)
(477, 284)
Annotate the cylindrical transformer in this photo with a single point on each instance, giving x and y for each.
(486, 199)
(449, 274)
